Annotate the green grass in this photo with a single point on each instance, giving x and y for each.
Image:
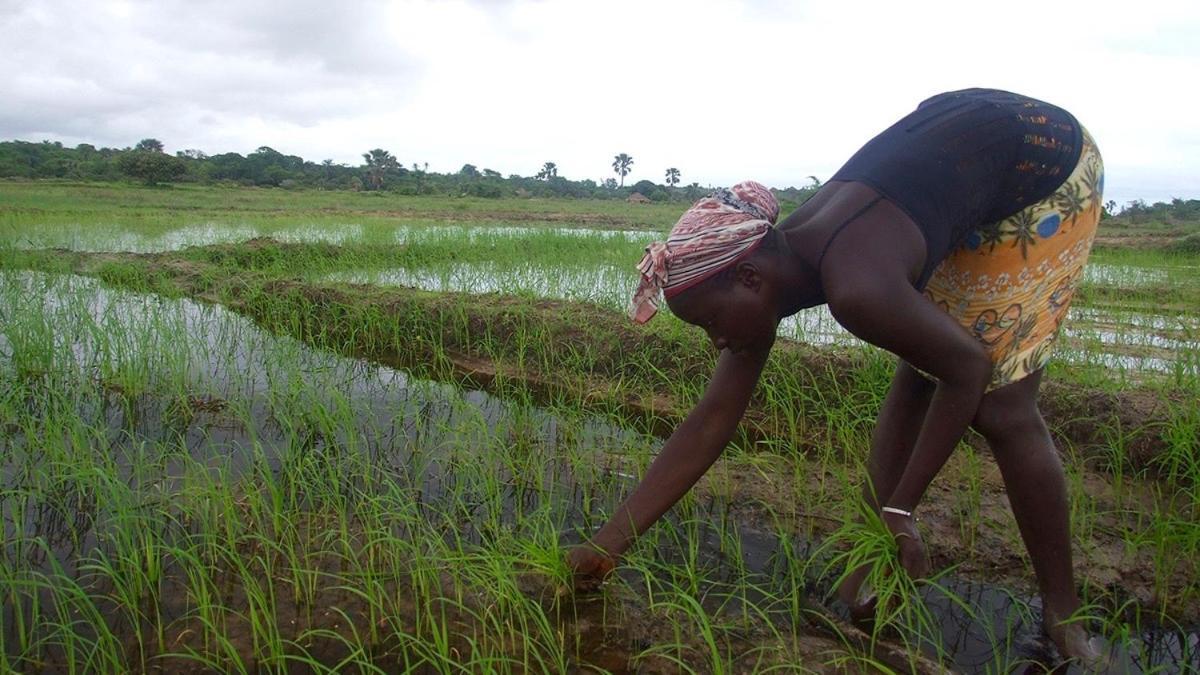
(90, 215)
(244, 484)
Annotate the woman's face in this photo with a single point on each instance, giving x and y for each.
(734, 313)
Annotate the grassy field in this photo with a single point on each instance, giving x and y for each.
(269, 431)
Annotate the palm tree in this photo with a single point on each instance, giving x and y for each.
(621, 164)
(549, 170)
(672, 176)
(990, 235)
(1070, 199)
(379, 162)
(1023, 225)
(1093, 180)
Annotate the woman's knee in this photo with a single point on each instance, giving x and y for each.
(1003, 418)
(1010, 410)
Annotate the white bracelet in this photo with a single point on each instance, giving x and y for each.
(899, 512)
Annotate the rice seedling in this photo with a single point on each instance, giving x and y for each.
(263, 456)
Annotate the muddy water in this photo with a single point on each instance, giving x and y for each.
(248, 390)
(982, 627)
(1130, 341)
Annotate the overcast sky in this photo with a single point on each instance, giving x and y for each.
(771, 90)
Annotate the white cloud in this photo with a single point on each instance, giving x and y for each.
(722, 90)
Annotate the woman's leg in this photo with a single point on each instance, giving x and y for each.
(891, 445)
(896, 431)
(1012, 424)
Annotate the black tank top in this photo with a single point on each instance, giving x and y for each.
(967, 158)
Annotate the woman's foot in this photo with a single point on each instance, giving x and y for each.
(862, 612)
(851, 588)
(1074, 643)
(858, 597)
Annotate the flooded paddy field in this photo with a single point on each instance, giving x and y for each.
(362, 443)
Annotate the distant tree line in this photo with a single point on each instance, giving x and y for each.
(1138, 211)
(380, 171)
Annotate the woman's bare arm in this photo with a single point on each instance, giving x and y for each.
(890, 313)
(689, 452)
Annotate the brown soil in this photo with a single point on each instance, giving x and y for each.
(1148, 242)
(1080, 416)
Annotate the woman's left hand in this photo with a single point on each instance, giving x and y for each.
(589, 567)
(913, 557)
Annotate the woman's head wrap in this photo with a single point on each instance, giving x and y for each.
(717, 232)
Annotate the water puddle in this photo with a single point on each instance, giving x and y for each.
(100, 237)
(1132, 277)
(173, 384)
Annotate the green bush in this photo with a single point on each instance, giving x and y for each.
(151, 167)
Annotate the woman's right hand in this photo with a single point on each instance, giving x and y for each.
(589, 567)
(913, 557)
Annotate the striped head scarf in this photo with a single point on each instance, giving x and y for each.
(715, 233)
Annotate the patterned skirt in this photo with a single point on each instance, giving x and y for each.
(1011, 281)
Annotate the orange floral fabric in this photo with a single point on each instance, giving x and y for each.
(1010, 283)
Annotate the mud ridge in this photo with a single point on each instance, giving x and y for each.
(471, 338)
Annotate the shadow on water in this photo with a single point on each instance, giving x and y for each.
(236, 395)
